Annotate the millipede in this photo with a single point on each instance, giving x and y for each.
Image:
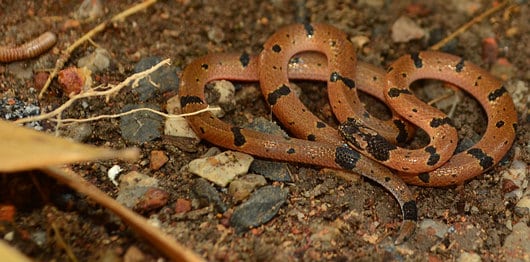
(28, 50)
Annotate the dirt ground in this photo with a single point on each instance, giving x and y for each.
(325, 217)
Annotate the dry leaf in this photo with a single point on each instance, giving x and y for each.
(24, 149)
(7, 253)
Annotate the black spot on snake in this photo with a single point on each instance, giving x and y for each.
(273, 97)
(497, 93)
(460, 66)
(418, 62)
(276, 48)
(485, 161)
(239, 139)
(244, 59)
(346, 157)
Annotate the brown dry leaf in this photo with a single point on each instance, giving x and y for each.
(24, 149)
(7, 253)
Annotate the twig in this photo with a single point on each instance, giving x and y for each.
(467, 25)
(90, 119)
(94, 92)
(165, 244)
(66, 53)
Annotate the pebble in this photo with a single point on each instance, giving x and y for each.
(74, 80)
(241, 188)
(79, 132)
(133, 187)
(324, 236)
(503, 69)
(260, 208)
(133, 254)
(262, 124)
(438, 228)
(142, 126)
(7, 213)
(469, 257)
(182, 205)
(222, 168)
(405, 29)
(152, 199)
(207, 194)
(96, 61)
(157, 159)
(177, 126)
(517, 244)
(14, 108)
(216, 34)
(20, 70)
(39, 79)
(515, 176)
(165, 78)
(275, 171)
(221, 93)
(522, 208)
(89, 10)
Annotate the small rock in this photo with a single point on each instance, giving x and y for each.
(514, 179)
(261, 207)
(216, 34)
(405, 29)
(142, 126)
(324, 236)
(20, 70)
(372, 3)
(262, 124)
(221, 168)
(39, 79)
(275, 171)
(133, 254)
(79, 132)
(490, 50)
(163, 80)
(517, 244)
(89, 10)
(74, 80)
(152, 199)
(204, 191)
(7, 213)
(241, 188)
(96, 61)
(157, 159)
(135, 179)
(177, 126)
(221, 93)
(469, 257)
(503, 69)
(417, 9)
(133, 187)
(182, 205)
(14, 108)
(438, 228)
(522, 207)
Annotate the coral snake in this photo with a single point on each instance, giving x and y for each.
(363, 144)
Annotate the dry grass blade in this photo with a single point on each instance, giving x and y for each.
(25, 149)
(157, 238)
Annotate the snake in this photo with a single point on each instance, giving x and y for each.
(363, 144)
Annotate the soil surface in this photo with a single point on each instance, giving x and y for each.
(324, 217)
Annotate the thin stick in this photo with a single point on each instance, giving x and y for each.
(66, 53)
(469, 24)
(165, 244)
(93, 92)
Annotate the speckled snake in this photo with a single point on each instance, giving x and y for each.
(370, 140)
